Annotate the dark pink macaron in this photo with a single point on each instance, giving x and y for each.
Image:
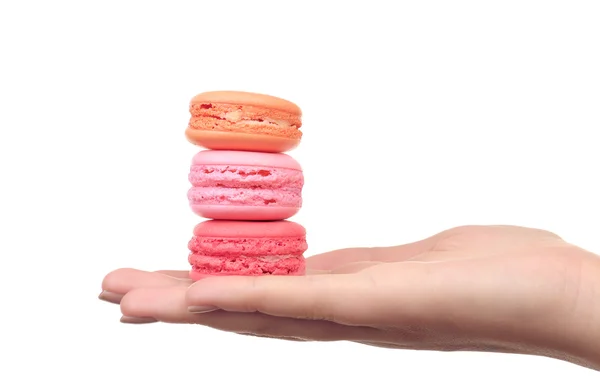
(221, 247)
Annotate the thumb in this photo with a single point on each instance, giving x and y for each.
(332, 297)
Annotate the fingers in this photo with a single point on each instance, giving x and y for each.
(266, 336)
(354, 267)
(119, 282)
(175, 274)
(338, 258)
(168, 304)
(262, 325)
(337, 298)
(388, 294)
(331, 260)
(110, 297)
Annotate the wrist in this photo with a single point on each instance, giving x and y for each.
(588, 314)
(581, 343)
(570, 328)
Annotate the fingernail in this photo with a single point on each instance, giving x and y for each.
(137, 320)
(110, 297)
(201, 309)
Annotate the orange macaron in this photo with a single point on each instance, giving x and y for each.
(242, 121)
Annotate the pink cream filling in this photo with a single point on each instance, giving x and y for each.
(246, 177)
(245, 197)
(245, 186)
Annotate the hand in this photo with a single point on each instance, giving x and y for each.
(494, 288)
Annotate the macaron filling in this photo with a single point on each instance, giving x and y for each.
(245, 185)
(211, 116)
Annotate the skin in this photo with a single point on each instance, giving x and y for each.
(473, 288)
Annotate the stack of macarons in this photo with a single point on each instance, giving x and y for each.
(246, 185)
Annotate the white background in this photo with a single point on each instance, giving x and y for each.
(418, 116)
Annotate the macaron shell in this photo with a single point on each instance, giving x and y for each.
(245, 158)
(244, 213)
(216, 140)
(242, 229)
(247, 98)
(195, 275)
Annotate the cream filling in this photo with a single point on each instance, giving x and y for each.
(236, 117)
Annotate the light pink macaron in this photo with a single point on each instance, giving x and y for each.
(241, 185)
